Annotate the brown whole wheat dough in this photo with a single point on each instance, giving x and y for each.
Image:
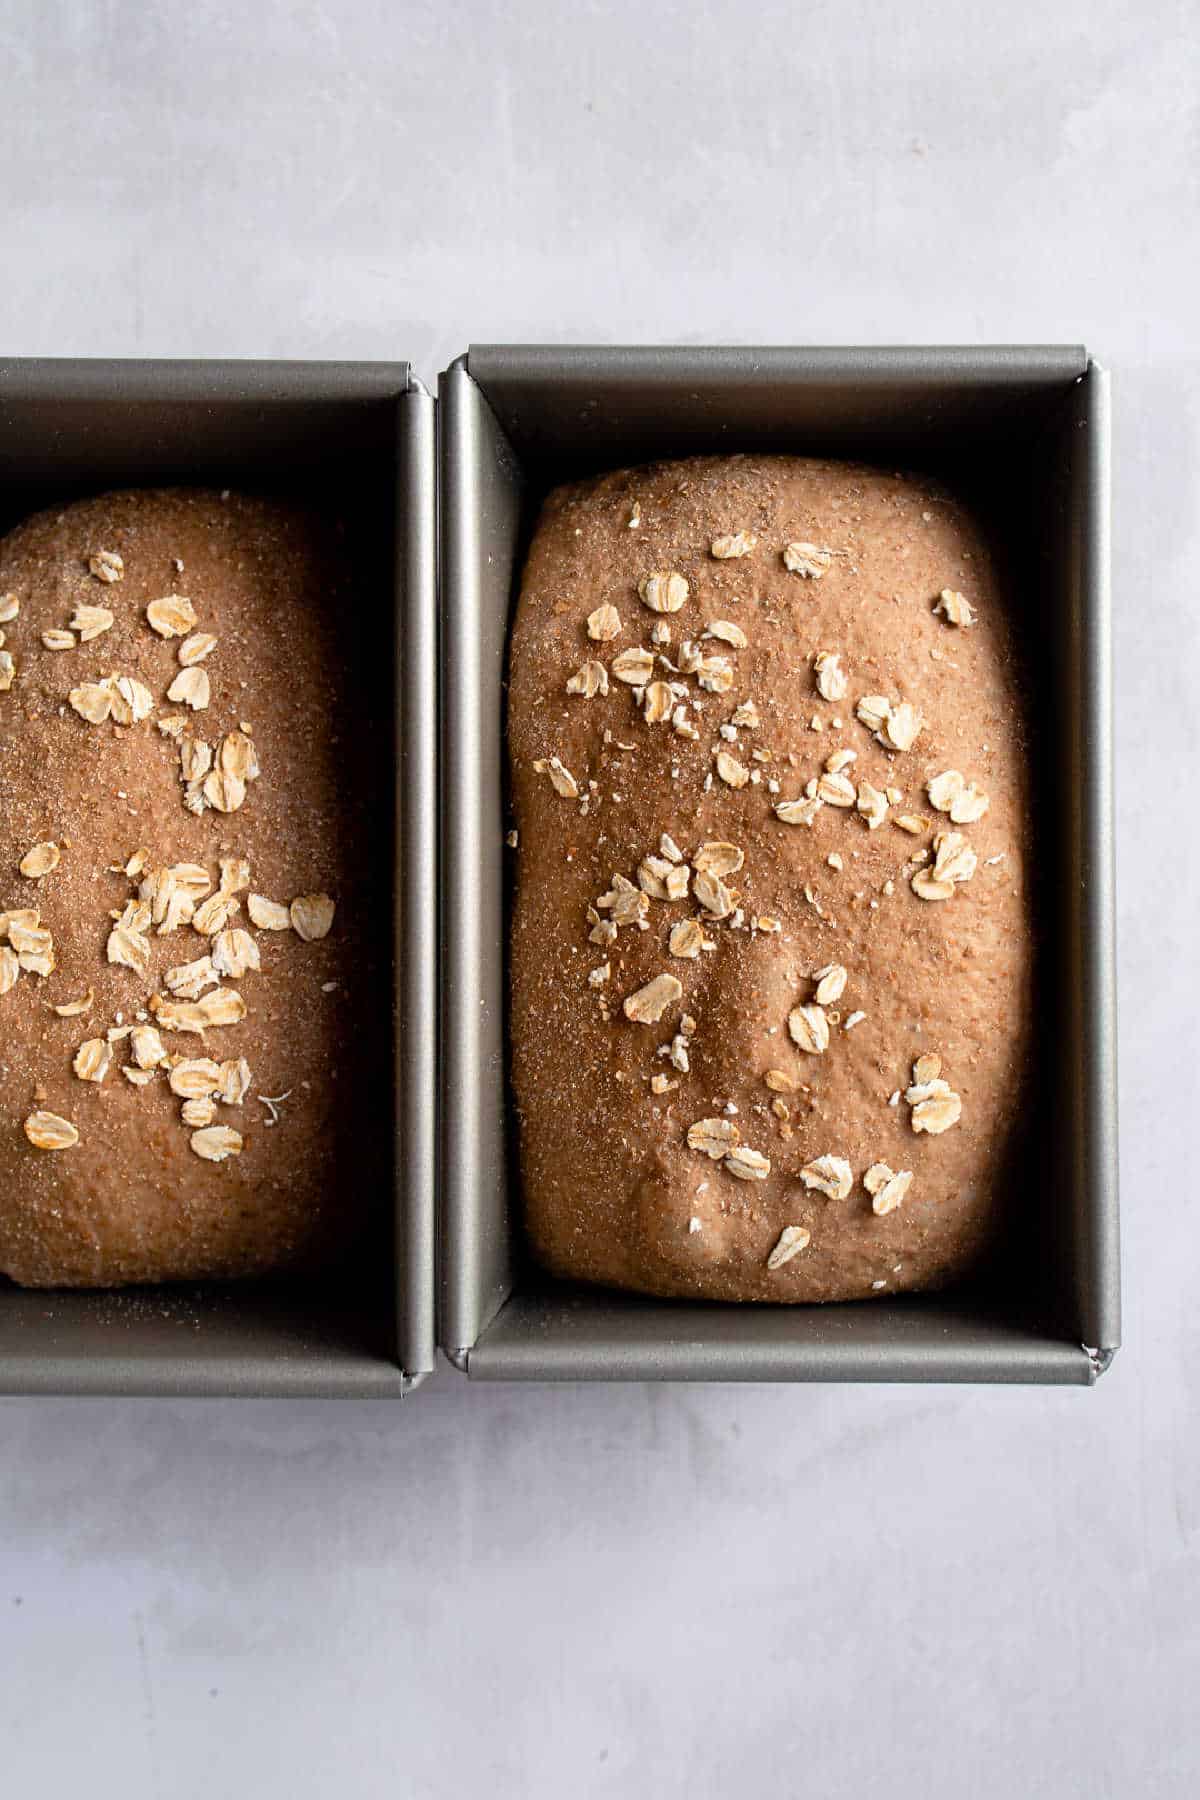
(133, 1199)
(671, 1104)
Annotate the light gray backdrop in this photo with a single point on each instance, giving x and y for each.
(630, 1591)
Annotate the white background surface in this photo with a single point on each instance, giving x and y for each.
(628, 1591)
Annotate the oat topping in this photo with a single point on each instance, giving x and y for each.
(132, 701)
(172, 616)
(727, 632)
(40, 861)
(10, 606)
(808, 560)
(187, 981)
(672, 878)
(223, 1006)
(902, 727)
(33, 946)
(657, 702)
(935, 1105)
(54, 639)
(604, 624)
(798, 812)
(92, 702)
(712, 894)
(146, 1047)
(127, 943)
(216, 1142)
(561, 778)
(831, 984)
(312, 916)
(26, 917)
(173, 894)
(718, 858)
(733, 773)
(872, 805)
(634, 666)
(627, 903)
(938, 1112)
(237, 756)
(912, 823)
(838, 760)
(8, 670)
(194, 649)
(669, 848)
(854, 1018)
(235, 874)
(830, 676)
(955, 608)
(268, 915)
(714, 673)
(194, 1077)
(191, 688)
(886, 1187)
(49, 1131)
(106, 565)
(735, 544)
(92, 1060)
(198, 1112)
(90, 621)
(234, 1083)
(747, 1164)
(927, 887)
(664, 591)
(119, 697)
(790, 1242)
(836, 789)
(215, 913)
(746, 715)
(649, 1003)
(951, 793)
(72, 1009)
(598, 977)
(590, 679)
(714, 1137)
(234, 951)
(830, 1175)
(809, 1028)
(137, 1077)
(224, 791)
(779, 1081)
(954, 863)
(896, 724)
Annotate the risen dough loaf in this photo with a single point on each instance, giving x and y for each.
(132, 1200)
(613, 1190)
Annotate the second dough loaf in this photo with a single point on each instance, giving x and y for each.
(771, 947)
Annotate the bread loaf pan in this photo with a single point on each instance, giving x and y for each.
(353, 435)
(1023, 431)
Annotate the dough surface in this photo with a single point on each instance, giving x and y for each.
(132, 1200)
(613, 1191)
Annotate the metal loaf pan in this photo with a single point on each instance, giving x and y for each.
(357, 437)
(1025, 432)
